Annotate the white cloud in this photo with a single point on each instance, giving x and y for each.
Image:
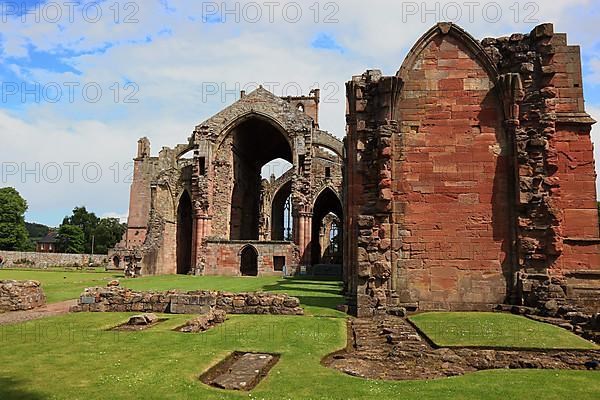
(594, 75)
(120, 216)
(172, 70)
(594, 111)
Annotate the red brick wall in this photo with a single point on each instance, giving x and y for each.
(576, 176)
(139, 203)
(576, 198)
(451, 179)
(223, 258)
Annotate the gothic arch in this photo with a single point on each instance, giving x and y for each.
(322, 190)
(450, 113)
(245, 117)
(279, 199)
(453, 30)
(184, 241)
(326, 202)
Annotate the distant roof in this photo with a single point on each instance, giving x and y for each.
(51, 237)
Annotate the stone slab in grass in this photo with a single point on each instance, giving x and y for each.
(240, 371)
(495, 330)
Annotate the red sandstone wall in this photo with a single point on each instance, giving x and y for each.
(223, 258)
(139, 203)
(451, 180)
(576, 198)
(576, 194)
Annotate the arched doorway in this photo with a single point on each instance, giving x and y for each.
(249, 261)
(184, 234)
(327, 217)
(254, 143)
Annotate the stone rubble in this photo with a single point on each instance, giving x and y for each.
(204, 322)
(21, 295)
(143, 320)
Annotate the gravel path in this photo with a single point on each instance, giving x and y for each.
(49, 310)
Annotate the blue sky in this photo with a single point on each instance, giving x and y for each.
(79, 90)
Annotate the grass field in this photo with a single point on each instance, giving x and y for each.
(452, 329)
(59, 285)
(74, 356)
(317, 296)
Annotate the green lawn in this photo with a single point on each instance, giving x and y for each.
(318, 297)
(59, 285)
(454, 329)
(74, 356)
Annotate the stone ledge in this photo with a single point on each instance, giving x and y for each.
(575, 118)
(582, 240)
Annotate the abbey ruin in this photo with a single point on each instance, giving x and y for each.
(465, 181)
(203, 207)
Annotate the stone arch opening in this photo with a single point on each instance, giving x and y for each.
(254, 143)
(116, 261)
(326, 210)
(184, 234)
(274, 169)
(281, 213)
(330, 239)
(249, 261)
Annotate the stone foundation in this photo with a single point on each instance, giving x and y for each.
(391, 348)
(578, 290)
(116, 299)
(21, 295)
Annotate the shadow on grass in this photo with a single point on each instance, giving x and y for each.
(12, 389)
(297, 286)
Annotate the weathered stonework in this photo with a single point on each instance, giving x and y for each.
(470, 177)
(468, 181)
(117, 299)
(203, 208)
(21, 295)
(19, 259)
(204, 322)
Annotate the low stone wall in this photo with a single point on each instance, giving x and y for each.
(21, 295)
(117, 299)
(19, 259)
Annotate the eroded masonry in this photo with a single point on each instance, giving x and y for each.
(468, 181)
(256, 190)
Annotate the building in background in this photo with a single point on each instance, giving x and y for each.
(48, 243)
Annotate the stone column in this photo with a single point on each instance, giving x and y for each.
(202, 228)
(303, 222)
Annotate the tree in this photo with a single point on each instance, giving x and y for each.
(13, 235)
(36, 231)
(85, 220)
(71, 239)
(107, 234)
